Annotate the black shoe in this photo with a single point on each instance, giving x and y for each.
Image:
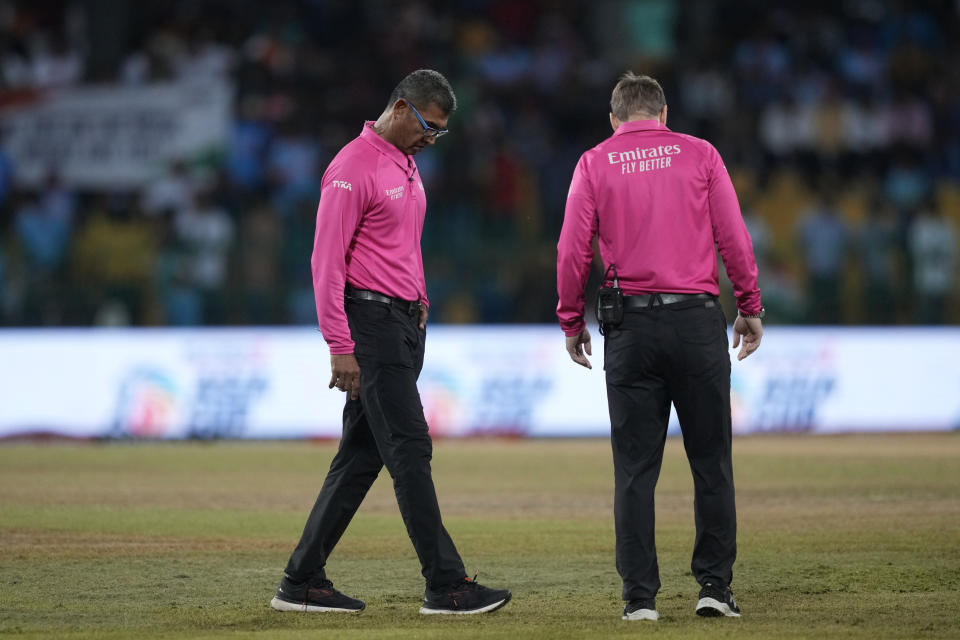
(641, 610)
(717, 601)
(315, 595)
(464, 597)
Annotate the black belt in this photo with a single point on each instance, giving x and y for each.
(410, 307)
(647, 300)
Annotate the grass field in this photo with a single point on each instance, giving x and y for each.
(852, 537)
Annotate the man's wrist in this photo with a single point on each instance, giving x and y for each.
(759, 315)
(571, 333)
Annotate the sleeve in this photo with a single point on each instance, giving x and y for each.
(732, 238)
(344, 196)
(575, 249)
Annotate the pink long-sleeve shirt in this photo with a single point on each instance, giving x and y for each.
(660, 203)
(369, 224)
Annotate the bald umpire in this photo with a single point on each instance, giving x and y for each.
(661, 203)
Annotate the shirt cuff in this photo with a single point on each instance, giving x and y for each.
(341, 350)
(576, 330)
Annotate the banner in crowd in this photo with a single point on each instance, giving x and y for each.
(272, 383)
(108, 137)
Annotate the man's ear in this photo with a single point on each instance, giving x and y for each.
(398, 107)
(614, 123)
(663, 115)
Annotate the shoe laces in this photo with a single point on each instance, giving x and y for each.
(725, 592)
(323, 583)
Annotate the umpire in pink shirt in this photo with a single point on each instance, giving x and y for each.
(372, 308)
(661, 203)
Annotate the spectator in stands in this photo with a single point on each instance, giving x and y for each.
(207, 233)
(58, 200)
(247, 146)
(293, 166)
(179, 299)
(933, 248)
(5, 297)
(878, 249)
(203, 59)
(298, 232)
(824, 238)
(6, 171)
(261, 234)
(43, 231)
(113, 259)
(760, 233)
(55, 63)
(172, 193)
(907, 182)
(782, 294)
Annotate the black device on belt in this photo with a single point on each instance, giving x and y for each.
(610, 302)
(410, 307)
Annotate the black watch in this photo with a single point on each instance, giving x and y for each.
(761, 315)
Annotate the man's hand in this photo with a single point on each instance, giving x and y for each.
(577, 344)
(345, 374)
(423, 316)
(752, 331)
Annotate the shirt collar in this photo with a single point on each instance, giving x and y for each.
(640, 125)
(373, 139)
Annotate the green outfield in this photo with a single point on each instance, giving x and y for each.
(847, 536)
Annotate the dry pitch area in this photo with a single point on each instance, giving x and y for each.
(852, 537)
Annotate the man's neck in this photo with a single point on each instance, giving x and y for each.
(382, 128)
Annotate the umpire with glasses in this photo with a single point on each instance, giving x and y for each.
(372, 309)
(661, 203)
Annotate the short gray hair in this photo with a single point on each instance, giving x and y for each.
(426, 86)
(636, 94)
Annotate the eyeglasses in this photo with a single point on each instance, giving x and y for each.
(428, 131)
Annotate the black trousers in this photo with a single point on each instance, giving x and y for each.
(384, 426)
(674, 353)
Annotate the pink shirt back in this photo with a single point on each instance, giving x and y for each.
(660, 203)
(369, 224)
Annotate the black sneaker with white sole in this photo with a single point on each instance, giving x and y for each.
(315, 595)
(464, 597)
(641, 610)
(716, 601)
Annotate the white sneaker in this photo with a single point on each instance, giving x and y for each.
(641, 610)
(717, 602)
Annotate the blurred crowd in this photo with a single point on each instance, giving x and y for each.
(839, 122)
